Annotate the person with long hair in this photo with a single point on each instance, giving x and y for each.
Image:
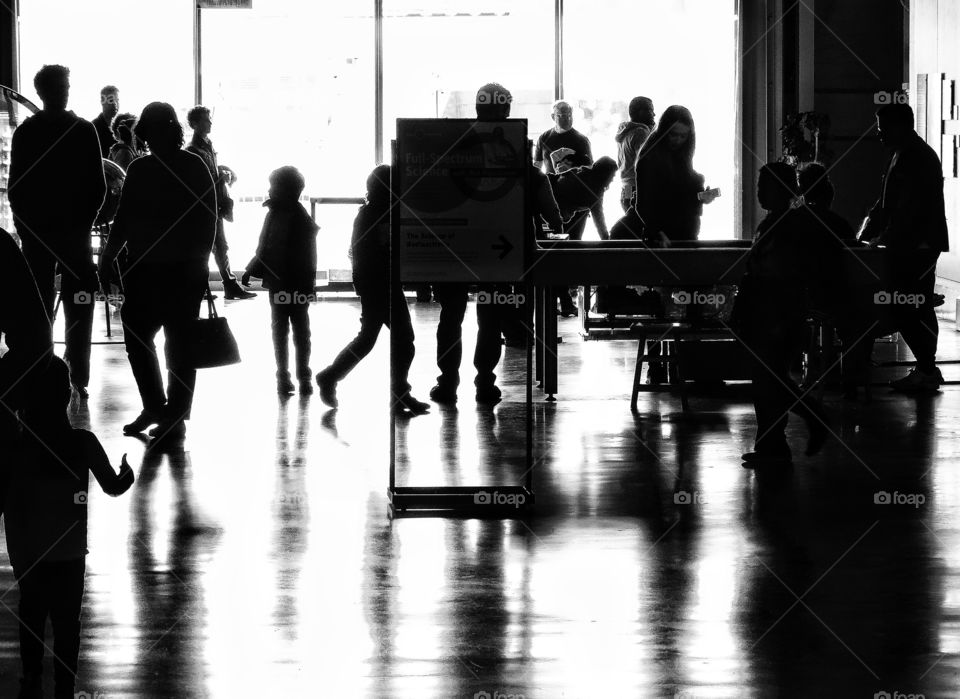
(166, 220)
(670, 194)
(127, 148)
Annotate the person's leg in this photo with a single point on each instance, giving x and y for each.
(183, 307)
(43, 267)
(401, 342)
(916, 277)
(488, 349)
(67, 602)
(300, 322)
(279, 329)
(77, 295)
(221, 256)
(772, 397)
(576, 225)
(34, 606)
(452, 297)
(373, 316)
(141, 322)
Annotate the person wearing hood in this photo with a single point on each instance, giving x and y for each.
(631, 135)
(56, 189)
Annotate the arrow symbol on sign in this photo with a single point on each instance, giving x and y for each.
(506, 246)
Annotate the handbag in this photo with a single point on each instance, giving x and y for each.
(212, 342)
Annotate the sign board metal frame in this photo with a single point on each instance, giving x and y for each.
(454, 218)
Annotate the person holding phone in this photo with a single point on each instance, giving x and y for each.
(670, 194)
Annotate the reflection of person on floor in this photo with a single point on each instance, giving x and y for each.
(56, 189)
(909, 222)
(631, 135)
(788, 258)
(45, 510)
(199, 120)
(382, 302)
(286, 261)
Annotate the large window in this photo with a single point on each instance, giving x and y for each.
(294, 81)
(678, 52)
(437, 54)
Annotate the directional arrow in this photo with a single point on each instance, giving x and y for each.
(506, 246)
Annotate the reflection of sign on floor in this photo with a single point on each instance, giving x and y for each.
(462, 190)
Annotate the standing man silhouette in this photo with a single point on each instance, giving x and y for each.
(56, 189)
(109, 106)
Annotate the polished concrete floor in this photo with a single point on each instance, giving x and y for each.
(261, 559)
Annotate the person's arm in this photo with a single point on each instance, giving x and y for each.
(587, 158)
(547, 204)
(92, 178)
(111, 482)
(19, 158)
(123, 221)
(539, 154)
(599, 219)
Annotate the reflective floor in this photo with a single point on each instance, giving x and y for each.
(261, 561)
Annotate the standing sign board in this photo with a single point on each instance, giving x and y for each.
(462, 191)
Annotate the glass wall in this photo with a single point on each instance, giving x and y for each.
(678, 52)
(437, 54)
(144, 47)
(293, 81)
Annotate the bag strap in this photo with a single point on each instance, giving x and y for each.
(211, 309)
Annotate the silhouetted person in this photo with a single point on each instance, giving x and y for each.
(45, 512)
(166, 221)
(909, 221)
(631, 135)
(370, 252)
(818, 193)
(127, 147)
(56, 189)
(581, 189)
(559, 149)
(493, 104)
(286, 261)
(25, 326)
(199, 120)
(786, 260)
(109, 106)
(670, 194)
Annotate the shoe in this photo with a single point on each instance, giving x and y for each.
(306, 387)
(285, 387)
(408, 402)
(443, 395)
(328, 389)
(169, 430)
(142, 422)
(81, 391)
(567, 311)
(234, 291)
(488, 394)
(918, 382)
